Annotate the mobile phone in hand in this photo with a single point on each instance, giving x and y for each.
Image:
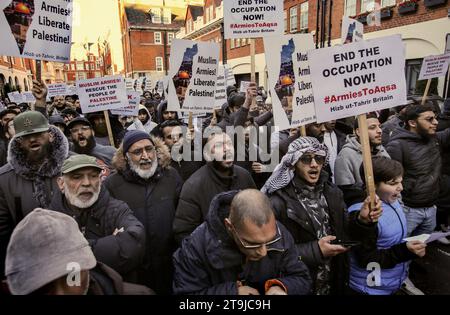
(347, 244)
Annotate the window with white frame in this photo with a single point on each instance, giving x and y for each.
(207, 15)
(159, 64)
(190, 25)
(167, 16)
(13, 60)
(232, 43)
(238, 42)
(367, 5)
(304, 7)
(387, 3)
(5, 58)
(211, 12)
(170, 37)
(156, 15)
(350, 7)
(285, 21)
(293, 19)
(158, 38)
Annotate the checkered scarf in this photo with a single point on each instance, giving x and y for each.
(284, 172)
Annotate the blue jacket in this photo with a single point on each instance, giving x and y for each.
(385, 246)
(210, 263)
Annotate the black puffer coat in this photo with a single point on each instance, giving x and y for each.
(210, 263)
(421, 159)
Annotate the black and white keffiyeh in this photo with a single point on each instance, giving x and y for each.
(284, 172)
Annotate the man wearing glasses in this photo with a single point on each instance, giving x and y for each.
(314, 212)
(146, 182)
(83, 138)
(240, 250)
(418, 147)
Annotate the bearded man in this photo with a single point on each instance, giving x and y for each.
(115, 235)
(147, 183)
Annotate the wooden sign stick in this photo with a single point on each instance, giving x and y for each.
(367, 158)
(252, 67)
(425, 94)
(108, 126)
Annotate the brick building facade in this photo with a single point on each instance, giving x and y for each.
(83, 69)
(15, 74)
(148, 28)
(423, 31)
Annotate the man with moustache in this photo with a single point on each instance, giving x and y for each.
(115, 235)
(83, 138)
(418, 147)
(220, 174)
(35, 157)
(147, 183)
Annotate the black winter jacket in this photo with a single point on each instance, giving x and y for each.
(290, 212)
(421, 159)
(210, 263)
(153, 202)
(199, 190)
(122, 252)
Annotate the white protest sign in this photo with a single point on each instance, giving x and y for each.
(28, 97)
(229, 75)
(221, 89)
(193, 76)
(244, 86)
(15, 97)
(102, 94)
(36, 29)
(132, 109)
(289, 79)
(147, 84)
(253, 18)
(358, 78)
(352, 30)
(434, 66)
(129, 83)
(56, 89)
(72, 90)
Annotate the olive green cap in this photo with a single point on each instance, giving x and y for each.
(78, 161)
(29, 123)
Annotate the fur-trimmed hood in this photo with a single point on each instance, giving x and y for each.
(162, 152)
(59, 150)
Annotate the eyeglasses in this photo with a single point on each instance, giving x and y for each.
(256, 246)
(430, 119)
(77, 130)
(139, 152)
(307, 159)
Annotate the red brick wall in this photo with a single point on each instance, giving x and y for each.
(144, 56)
(17, 63)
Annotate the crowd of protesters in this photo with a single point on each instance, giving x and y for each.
(165, 206)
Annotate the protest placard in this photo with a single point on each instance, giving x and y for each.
(434, 66)
(71, 90)
(253, 18)
(36, 29)
(193, 76)
(129, 84)
(15, 97)
(101, 94)
(229, 75)
(133, 105)
(28, 97)
(147, 84)
(352, 30)
(289, 79)
(221, 89)
(358, 78)
(244, 86)
(56, 89)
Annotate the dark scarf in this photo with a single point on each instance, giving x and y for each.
(50, 167)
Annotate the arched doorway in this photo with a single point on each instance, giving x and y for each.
(2, 86)
(25, 84)
(16, 81)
